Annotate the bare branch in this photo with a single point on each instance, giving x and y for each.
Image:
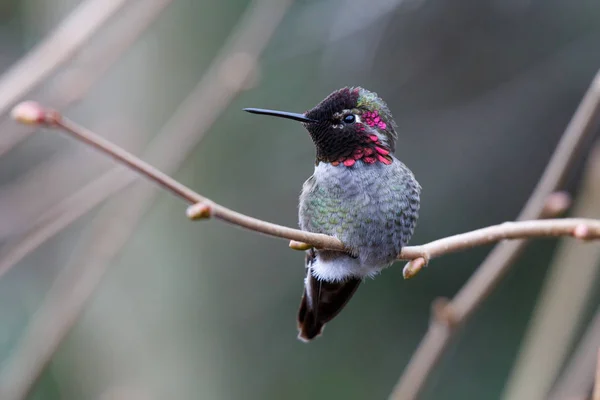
(580, 228)
(497, 263)
(585, 229)
(33, 113)
(217, 88)
(55, 50)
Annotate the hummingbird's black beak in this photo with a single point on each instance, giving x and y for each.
(281, 114)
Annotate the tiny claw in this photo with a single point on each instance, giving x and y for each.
(295, 245)
(200, 210)
(29, 112)
(413, 267)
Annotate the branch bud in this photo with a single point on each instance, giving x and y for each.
(200, 210)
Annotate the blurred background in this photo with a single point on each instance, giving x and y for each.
(481, 92)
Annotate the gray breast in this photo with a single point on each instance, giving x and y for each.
(372, 209)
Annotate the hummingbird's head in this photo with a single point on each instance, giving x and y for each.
(348, 126)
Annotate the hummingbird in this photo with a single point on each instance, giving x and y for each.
(359, 193)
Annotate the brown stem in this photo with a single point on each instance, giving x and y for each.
(585, 229)
(217, 211)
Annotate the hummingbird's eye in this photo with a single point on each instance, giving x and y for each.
(349, 119)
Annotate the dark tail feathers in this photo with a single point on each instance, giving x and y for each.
(321, 302)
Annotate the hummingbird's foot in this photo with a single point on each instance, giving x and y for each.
(301, 246)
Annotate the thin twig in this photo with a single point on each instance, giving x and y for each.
(79, 78)
(497, 263)
(562, 301)
(54, 119)
(55, 50)
(116, 224)
(585, 229)
(236, 62)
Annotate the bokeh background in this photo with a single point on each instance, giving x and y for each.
(481, 92)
